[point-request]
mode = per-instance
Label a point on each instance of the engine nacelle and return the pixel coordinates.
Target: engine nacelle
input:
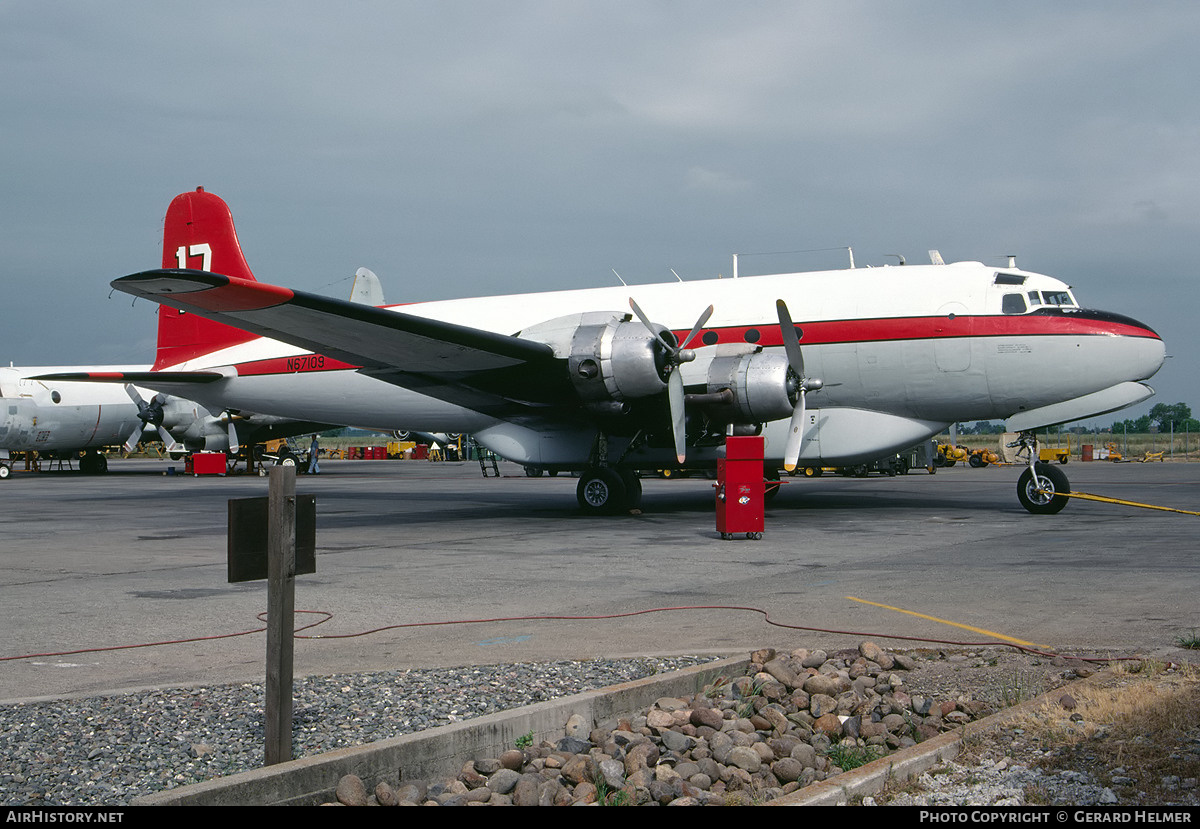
(611, 358)
(193, 425)
(750, 385)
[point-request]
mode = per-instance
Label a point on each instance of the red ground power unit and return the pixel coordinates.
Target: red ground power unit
(740, 488)
(205, 463)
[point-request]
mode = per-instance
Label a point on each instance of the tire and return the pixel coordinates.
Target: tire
(600, 491)
(976, 462)
(1055, 484)
(532, 472)
(5, 471)
(286, 458)
(812, 472)
(633, 488)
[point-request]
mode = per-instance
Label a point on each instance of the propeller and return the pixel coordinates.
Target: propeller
(229, 418)
(149, 413)
(791, 345)
(676, 355)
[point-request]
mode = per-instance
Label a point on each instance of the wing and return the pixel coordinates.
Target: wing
(485, 371)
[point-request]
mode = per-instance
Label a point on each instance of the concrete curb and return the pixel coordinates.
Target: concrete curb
(438, 751)
(442, 751)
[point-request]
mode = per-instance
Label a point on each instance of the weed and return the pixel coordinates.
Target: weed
(1022, 687)
(847, 755)
(525, 740)
(1190, 641)
(606, 796)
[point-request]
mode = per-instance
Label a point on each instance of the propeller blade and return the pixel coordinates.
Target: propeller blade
(671, 348)
(678, 419)
(708, 312)
(233, 439)
(168, 440)
(134, 438)
(791, 344)
(795, 438)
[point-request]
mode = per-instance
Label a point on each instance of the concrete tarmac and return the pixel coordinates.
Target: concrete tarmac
(139, 557)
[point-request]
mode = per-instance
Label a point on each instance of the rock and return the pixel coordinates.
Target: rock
(512, 759)
(351, 791)
(385, 795)
(503, 781)
(576, 727)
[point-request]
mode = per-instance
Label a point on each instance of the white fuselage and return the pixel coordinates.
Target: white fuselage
(902, 351)
(43, 416)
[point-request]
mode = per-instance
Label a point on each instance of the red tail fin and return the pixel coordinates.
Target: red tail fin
(198, 233)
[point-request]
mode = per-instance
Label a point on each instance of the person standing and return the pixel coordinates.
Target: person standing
(313, 449)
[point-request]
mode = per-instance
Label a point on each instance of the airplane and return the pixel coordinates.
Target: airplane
(608, 381)
(65, 421)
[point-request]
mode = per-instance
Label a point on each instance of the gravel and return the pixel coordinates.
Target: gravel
(108, 750)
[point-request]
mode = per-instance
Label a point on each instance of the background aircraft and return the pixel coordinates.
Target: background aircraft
(76, 420)
(571, 380)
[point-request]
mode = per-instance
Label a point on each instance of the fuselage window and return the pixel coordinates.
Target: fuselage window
(1009, 279)
(709, 337)
(1014, 304)
(751, 335)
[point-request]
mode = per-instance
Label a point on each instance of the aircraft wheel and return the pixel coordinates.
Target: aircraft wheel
(633, 488)
(771, 487)
(1052, 499)
(5, 471)
(600, 491)
(532, 472)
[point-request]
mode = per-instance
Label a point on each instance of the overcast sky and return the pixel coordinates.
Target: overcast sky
(473, 148)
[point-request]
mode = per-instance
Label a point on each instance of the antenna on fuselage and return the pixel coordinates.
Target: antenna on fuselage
(614, 270)
(898, 256)
(1012, 261)
(677, 276)
(935, 258)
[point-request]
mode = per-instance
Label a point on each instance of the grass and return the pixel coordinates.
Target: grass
(1022, 687)
(525, 740)
(847, 755)
(1141, 725)
(1189, 641)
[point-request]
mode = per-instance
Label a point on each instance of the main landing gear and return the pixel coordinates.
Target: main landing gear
(1042, 489)
(603, 490)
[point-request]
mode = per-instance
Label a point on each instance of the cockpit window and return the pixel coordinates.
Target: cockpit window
(1057, 298)
(1014, 304)
(1034, 298)
(1009, 279)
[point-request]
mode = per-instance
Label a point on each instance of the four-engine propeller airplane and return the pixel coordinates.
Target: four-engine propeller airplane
(879, 359)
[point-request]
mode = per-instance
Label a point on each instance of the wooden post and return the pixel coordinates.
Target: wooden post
(281, 604)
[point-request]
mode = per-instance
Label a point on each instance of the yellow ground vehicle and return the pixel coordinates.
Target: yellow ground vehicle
(1055, 453)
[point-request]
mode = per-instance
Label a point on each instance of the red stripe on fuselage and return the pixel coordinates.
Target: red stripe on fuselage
(886, 329)
(921, 328)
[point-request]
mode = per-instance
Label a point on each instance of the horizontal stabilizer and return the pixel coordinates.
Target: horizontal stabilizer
(138, 378)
